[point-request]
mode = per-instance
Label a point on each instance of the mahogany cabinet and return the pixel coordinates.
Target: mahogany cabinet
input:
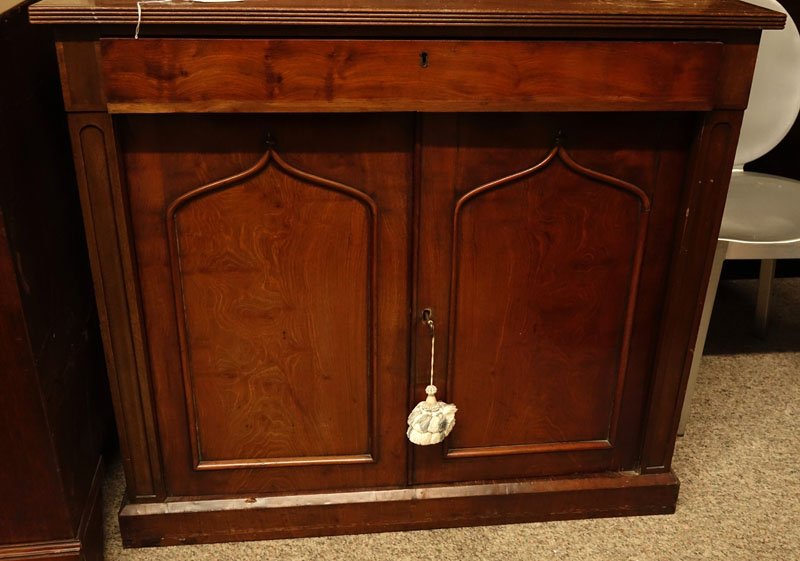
(54, 407)
(274, 192)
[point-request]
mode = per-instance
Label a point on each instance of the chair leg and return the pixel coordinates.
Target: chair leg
(708, 306)
(765, 277)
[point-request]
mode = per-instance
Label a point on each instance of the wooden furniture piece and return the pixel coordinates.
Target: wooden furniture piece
(54, 405)
(274, 192)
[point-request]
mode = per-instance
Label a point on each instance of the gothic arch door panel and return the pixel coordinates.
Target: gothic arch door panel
(272, 256)
(544, 248)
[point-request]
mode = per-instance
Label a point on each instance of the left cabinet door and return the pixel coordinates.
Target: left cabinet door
(274, 283)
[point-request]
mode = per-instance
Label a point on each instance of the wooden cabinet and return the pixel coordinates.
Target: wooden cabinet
(270, 209)
(55, 412)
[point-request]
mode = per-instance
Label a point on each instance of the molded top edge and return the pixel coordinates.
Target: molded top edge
(673, 14)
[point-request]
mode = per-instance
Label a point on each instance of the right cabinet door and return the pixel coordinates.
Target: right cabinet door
(544, 247)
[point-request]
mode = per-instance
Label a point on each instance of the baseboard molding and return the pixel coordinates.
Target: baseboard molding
(443, 506)
(90, 531)
(59, 550)
(86, 546)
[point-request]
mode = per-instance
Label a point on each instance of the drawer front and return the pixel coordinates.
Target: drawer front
(250, 75)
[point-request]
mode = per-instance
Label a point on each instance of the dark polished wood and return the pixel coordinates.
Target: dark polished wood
(287, 268)
(347, 75)
(306, 228)
(699, 218)
(54, 410)
(82, 90)
(105, 220)
(209, 521)
(269, 209)
(670, 14)
(561, 251)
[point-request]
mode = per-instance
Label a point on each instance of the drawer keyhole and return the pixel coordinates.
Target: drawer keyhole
(423, 59)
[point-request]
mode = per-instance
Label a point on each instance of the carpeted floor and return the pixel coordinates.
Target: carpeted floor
(738, 465)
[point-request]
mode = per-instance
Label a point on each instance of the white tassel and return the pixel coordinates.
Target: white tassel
(431, 421)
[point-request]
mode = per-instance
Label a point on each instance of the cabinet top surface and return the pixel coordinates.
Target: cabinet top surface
(719, 14)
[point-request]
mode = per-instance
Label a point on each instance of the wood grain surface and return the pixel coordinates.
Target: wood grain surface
(253, 297)
(55, 412)
(208, 521)
(672, 14)
(293, 290)
(110, 252)
(550, 352)
(157, 75)
(559, 249)
(273, 273)
(700, 215)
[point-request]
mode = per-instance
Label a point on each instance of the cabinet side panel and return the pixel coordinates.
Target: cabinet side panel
(699, 219)
(29, 479)
(39, 203)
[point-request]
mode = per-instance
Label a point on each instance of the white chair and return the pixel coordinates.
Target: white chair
(762, 213)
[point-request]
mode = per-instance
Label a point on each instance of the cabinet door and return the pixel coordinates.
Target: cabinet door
(544, 247)
(274, 285)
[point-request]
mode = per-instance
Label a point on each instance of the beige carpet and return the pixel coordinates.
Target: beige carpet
(738, 465)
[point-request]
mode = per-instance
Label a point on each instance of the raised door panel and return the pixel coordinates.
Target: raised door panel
(549, 303)
(558, 249)
(273, 288)
(265, 267)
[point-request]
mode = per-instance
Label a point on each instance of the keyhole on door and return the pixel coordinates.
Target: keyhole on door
(423, 59)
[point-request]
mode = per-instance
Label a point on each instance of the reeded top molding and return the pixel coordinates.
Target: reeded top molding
(693, 14)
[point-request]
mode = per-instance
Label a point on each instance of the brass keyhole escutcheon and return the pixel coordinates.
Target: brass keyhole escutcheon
(423, 59)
